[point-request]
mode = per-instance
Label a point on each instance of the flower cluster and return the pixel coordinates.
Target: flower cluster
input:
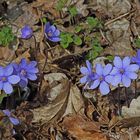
(51, 32)
(12, 119)
(17, 73)
(121, 72)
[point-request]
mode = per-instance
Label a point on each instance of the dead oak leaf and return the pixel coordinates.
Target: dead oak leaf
(82, 129)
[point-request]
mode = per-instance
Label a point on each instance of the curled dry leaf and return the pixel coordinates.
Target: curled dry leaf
(82, 129)
(63, 97)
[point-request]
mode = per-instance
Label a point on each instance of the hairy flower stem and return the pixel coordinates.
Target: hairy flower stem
(119, 101)
(126, 97)
(135, 88)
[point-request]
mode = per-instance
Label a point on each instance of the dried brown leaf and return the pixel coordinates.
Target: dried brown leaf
(82, 129)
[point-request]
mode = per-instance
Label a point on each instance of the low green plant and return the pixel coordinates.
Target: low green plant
(93, 22)
(96, 49)
(61, 4)
(73, 11)
(68, 38)
(6, 36)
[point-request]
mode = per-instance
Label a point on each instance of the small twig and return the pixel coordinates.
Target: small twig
(117, 18)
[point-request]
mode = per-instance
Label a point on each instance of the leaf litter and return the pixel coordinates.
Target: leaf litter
(56, 106)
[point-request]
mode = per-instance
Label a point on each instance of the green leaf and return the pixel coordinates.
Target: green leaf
(77, 29)
(6, 36)
(77, 40)
(66, 39)
(93, 22)
(73, 11)
(110, 58)
(61, 4)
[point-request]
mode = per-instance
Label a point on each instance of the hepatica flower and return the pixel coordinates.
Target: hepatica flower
(52, 33)
(123, 71)
(13, 120)
(102, 78)
(88, 74)
(7, 78)
(26, 32)
(136, 59)
(26, 71)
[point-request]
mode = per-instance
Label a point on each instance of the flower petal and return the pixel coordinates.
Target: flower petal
(23, 83)
(32, 64)
(54, 39)
(53, 28)
(1, 71)
(31, 76)
(83, 80)
(131, 75)
(99, 69)
(56, 33)
(32, 70)
(13, 79)
(116, 80)
(117, 62)
(126, 62)
(47, 26)
(109, 78)
(114, 71)
(1, 85)
(84, 70)
(7, 87)
(126, 81)
(104, 88)
(23, 63)
(95, 84)
(7, 112)
(89, 66)
(107, 69)
(14, 121)
(132, 67)
(8, 70)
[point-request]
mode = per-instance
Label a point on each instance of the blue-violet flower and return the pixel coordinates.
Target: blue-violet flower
(26, 32)
(13, 120)
(52, 33)
(123, 71)
(136, 59)
(26, 71)
(102, 78)
(7, 78)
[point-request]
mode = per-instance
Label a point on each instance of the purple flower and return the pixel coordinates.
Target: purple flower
(136, 59)
(26, 32)
(123, 71)
(13, 120)
(88, 74)
(7, 78)
(52, 33)
(26, 71)
(102, 78)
